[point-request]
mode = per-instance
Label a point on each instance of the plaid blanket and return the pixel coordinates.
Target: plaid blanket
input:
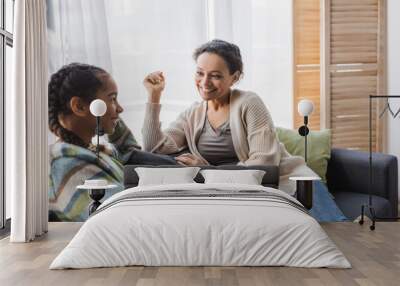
(71, 165)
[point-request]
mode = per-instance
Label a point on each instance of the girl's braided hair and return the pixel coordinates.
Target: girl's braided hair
(74, 79)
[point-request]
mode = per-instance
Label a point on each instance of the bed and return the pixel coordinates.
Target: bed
(201, 224)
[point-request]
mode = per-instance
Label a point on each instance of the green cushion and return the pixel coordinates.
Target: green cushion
(318, 150)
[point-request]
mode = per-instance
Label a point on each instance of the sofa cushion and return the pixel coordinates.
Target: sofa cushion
(350, 204)
(319, 147)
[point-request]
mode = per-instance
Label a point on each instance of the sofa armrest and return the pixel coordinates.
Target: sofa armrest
(348, 171)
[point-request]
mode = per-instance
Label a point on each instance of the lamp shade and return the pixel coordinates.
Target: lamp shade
(305, 107)
(98, 107)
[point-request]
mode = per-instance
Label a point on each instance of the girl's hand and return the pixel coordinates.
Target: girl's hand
(188, 159)
(155, 84)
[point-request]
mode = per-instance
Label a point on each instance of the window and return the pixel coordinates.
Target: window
(6, 43)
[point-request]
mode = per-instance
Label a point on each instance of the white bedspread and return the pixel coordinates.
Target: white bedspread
(186, 230)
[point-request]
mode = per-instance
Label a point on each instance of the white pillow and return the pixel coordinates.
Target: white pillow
(166, 176)
(248, 177)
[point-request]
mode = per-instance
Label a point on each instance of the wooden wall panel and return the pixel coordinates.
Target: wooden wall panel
(307, 59)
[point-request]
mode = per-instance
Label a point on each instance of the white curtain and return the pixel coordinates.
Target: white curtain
(161, 35)
(77, 32)
(146, 36)
(263, 29)
(130, 38)
(27, 149)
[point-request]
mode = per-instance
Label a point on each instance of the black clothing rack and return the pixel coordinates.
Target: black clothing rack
(370, 206)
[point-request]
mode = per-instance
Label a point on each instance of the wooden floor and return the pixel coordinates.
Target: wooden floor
(374, 255)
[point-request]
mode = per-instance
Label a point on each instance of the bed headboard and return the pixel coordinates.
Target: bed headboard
(270, 179)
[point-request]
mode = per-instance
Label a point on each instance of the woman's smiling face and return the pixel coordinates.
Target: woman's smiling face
(213, 79)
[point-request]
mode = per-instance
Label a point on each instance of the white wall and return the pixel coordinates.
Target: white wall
(393, 71)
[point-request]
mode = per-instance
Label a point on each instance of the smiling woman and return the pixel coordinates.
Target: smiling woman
(230, 126)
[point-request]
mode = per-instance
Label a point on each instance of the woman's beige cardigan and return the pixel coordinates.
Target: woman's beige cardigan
(252, 129)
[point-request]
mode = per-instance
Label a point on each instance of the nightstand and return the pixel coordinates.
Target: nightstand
(304, 190)
(97, 190)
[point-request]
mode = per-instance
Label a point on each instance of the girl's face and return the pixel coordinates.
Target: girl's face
(213, 79)
(109, 94)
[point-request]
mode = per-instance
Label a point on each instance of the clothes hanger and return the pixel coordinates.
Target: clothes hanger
(397, 113)
(387, 107)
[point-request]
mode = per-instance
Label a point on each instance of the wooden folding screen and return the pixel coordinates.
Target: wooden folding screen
(352, 60)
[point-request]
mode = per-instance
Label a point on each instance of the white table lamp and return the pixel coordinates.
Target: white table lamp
(305, 108)
(98, 108)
